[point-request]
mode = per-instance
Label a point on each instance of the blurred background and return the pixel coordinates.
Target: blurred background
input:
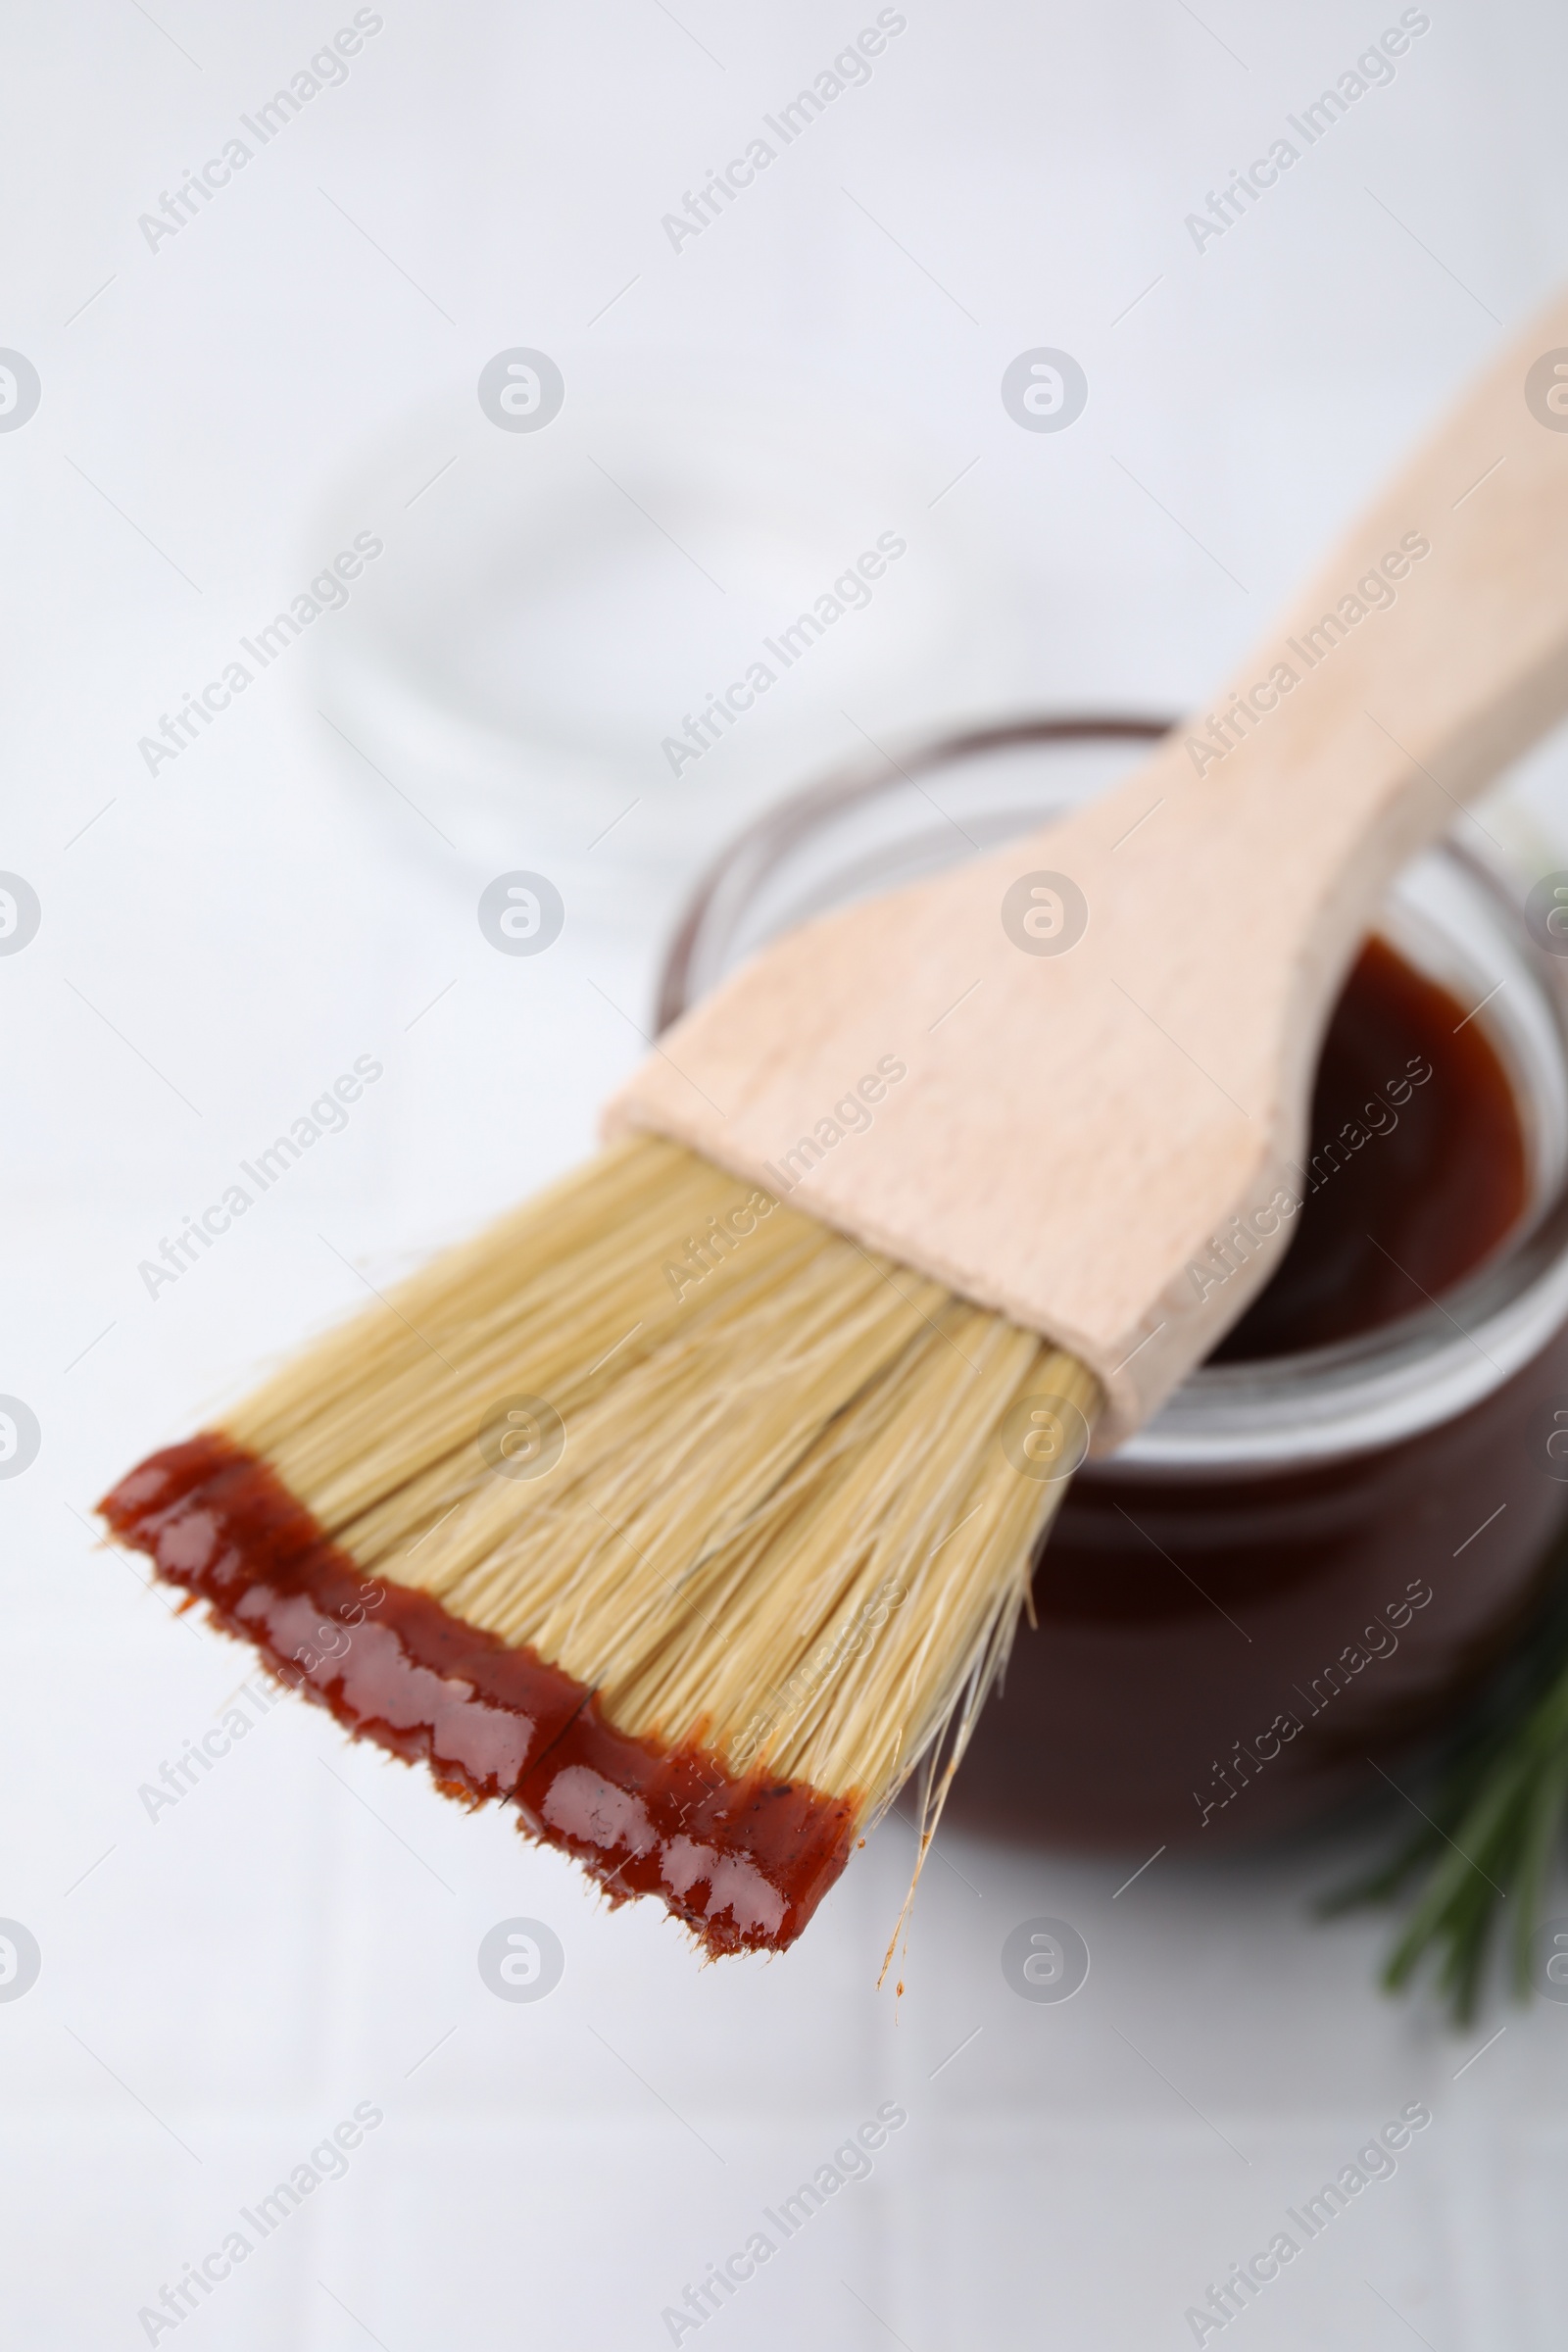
(587, 439)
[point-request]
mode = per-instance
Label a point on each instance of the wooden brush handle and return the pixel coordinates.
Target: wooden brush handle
(1097, 1080)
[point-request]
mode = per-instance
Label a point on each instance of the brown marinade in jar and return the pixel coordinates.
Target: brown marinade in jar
(1220, 1658)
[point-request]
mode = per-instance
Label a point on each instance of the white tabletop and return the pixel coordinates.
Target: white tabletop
(225, 931)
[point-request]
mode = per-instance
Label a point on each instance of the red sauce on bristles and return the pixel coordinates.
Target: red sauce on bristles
(742, 1861)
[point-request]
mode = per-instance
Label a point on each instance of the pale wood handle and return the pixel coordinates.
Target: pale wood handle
(1071, 1129)
(1430, 649)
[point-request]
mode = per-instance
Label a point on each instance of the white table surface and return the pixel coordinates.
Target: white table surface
(223, 1985)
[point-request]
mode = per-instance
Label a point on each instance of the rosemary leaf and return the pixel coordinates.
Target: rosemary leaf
(1495, 1815)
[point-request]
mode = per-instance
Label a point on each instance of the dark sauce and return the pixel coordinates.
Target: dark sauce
(1221, 1656)
(1416, 1170)
(743, 1862)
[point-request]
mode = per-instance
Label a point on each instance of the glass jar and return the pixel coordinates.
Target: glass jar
(579, 653)
(1302, 1563)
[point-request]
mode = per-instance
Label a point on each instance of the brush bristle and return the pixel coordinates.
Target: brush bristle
(737, 1475)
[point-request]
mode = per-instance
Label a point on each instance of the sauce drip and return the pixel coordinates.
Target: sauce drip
(1435, 1181)
(744, 1862)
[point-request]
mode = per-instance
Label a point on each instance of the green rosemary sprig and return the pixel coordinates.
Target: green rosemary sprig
(1495, 1821)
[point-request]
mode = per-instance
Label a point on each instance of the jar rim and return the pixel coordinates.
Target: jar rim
(1273, 1413)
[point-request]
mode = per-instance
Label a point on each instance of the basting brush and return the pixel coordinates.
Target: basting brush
(692, 1507)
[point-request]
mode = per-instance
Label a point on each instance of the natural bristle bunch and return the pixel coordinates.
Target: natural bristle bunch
(737, 1477)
